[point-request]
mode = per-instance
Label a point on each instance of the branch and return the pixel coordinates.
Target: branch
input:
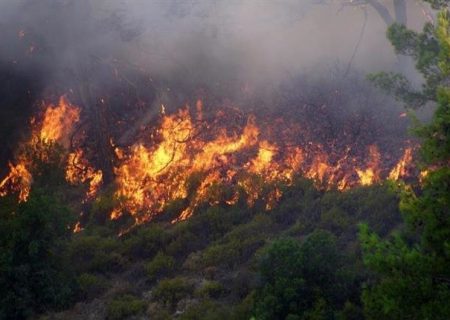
(382, 11)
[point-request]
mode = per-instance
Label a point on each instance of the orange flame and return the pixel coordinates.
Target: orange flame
(183, 163)
(78, 170)
(371, 174)
(18, 180)
(58, 123)
(400, 170)
(56, 126)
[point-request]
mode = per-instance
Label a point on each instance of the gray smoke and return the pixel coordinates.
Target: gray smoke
(198, 41)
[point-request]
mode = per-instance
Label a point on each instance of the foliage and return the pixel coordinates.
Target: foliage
(33, 276)
(145, 242)
(170, 291)
(124, 306)
(91, 285)
(161, 265)
(93, 253)
(301, 280)
(236, 246)
(210, 289)
(412, 268)
(206, 310)
(427, 50)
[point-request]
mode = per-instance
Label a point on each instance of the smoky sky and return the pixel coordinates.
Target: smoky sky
(197, 40)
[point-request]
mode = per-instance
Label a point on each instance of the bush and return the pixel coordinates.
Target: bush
(335, 220)
(125, 306)
(210, 289)
(96, 254)
(170, 291)
(145, 242)
(207, 310)
(183, 242)
(91, 285)
(302, 280)
(238, 245)
(34, 276)
(161, 265)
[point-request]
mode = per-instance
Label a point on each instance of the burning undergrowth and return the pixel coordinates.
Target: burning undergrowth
(219, 156)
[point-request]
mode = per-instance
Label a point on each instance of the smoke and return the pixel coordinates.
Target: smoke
(122, 61)
(196, 41)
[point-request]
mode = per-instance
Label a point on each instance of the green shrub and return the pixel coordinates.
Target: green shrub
(91, 286)
(161, 265)
(34, 276)
(335, 220)
(210, 289)
(170, 291)
(96, 254)
(102, 206)
(183, 243)
(302, 280)
(207, 310)
(238, 245)
(145, 242)
(125, 306)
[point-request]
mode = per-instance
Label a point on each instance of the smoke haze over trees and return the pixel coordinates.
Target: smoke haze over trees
(224, 159)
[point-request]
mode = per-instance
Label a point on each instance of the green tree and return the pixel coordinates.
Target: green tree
(33, 275)
(412, 269)
(301, 280)
(426, 50)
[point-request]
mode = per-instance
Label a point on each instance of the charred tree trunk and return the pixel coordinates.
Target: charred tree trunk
(99, 142)
(401, 18)
(400, 12)
(382, 11)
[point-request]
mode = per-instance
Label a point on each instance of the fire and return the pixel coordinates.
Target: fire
(78, 170)
(371, 174)
(151, 177)
(400, 170)
(189, 159)
(56, 127)
(18, 180)
(58, 123)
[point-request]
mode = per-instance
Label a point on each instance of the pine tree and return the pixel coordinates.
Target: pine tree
(412, 268)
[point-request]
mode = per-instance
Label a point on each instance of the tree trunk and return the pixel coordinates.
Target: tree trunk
(400, 12)
(382, 11)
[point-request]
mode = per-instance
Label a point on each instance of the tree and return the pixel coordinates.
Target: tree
(382, 9)
(412, 269)
(33, 275)
(301, 280)
(425, 49)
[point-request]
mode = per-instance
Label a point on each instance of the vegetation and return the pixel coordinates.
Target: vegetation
(34, 276)
(373, 252)
(124, 306)
(412, 267)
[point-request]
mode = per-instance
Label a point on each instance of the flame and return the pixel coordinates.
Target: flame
(58, 122)
(203, 160)
(77, 228)
(78, 170)
(371, 174)
(18, 180)
(400, 170)
(57, 126)
(184, 159)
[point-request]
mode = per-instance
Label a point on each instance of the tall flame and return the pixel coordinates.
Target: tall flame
(56, 126)
(58, 123)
